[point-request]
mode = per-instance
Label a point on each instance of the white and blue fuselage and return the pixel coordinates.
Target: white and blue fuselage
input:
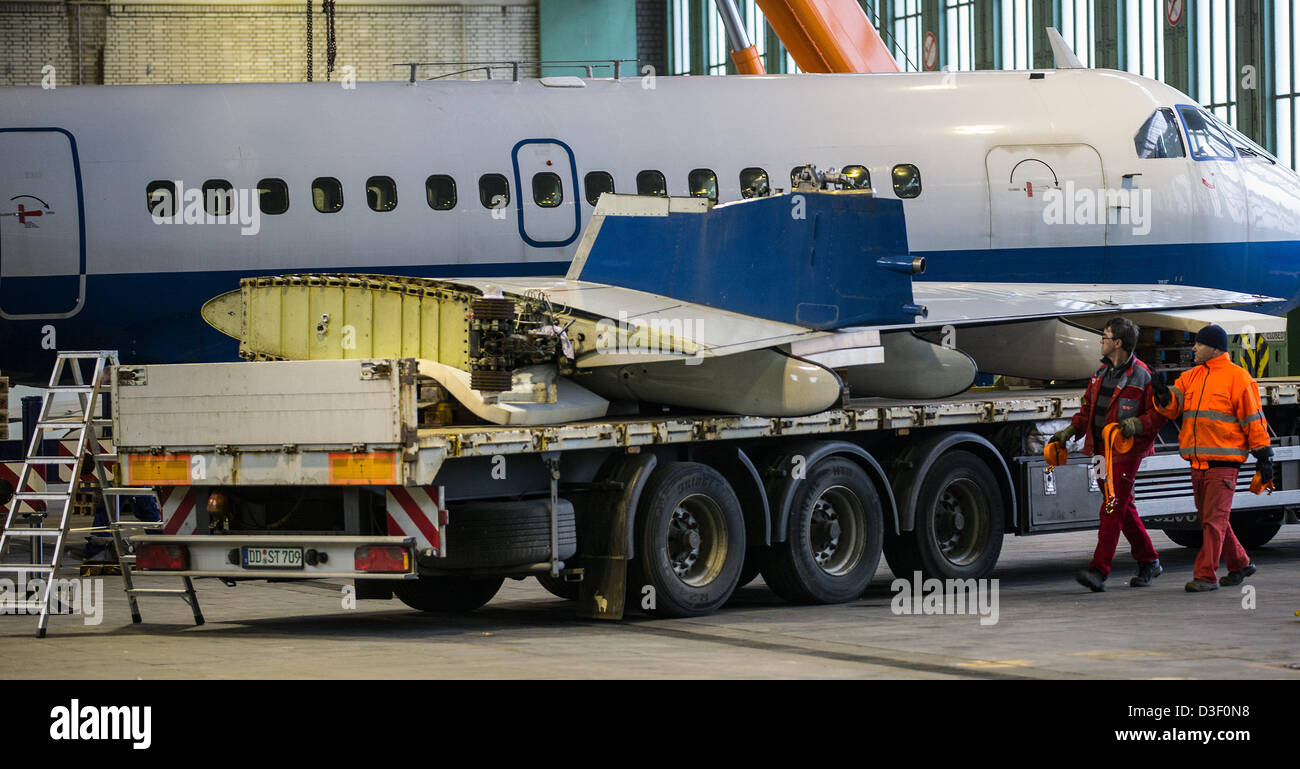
(1071, 176)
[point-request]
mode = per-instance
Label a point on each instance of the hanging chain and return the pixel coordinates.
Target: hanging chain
(327, 6)
(309, 40)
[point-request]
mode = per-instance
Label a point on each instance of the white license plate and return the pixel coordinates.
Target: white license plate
(273, 558)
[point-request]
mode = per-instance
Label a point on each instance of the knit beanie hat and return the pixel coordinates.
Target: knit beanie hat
(1214, 336)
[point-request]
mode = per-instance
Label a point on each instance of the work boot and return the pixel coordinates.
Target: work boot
(1200, 586)
(1238, 576)
(1091, 579)
(1147, 571)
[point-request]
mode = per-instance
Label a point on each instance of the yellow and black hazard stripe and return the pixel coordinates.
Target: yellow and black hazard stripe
(1254, 359)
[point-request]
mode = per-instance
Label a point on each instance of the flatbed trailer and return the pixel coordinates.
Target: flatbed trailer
(315, 469)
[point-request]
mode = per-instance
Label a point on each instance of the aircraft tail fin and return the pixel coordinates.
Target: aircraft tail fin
(1065, 57)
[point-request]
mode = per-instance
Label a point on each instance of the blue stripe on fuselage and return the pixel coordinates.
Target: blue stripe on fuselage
(1269, 268)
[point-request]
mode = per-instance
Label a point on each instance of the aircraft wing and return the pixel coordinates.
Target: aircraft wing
(954, 303)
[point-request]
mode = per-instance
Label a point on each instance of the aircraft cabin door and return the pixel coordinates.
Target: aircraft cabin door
(42, 251)
(546, 186)
(1044, 196)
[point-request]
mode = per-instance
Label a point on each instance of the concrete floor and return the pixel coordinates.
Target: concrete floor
(1048, 627)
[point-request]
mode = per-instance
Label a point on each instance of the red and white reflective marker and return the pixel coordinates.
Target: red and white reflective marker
(1173, 12)
(930, 51)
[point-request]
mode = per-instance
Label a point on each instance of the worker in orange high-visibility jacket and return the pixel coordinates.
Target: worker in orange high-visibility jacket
(1223, 424)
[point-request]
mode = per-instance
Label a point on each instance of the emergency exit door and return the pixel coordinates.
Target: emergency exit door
(42, 248)
(1046, 195)
(546, 183)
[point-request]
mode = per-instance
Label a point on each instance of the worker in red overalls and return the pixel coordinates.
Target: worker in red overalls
(1223, 423)
(1120, 392)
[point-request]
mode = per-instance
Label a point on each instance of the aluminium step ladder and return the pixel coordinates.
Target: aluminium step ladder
(86, 430)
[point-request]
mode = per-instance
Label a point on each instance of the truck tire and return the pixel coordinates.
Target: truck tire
(483, 535)
(959, 522)
(833, 537)
(690, 542)
(559, 587)
(447, 594)
(1186, 537)
(1250, 530)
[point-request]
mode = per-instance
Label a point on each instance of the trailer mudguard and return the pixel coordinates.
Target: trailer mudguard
(781, 483)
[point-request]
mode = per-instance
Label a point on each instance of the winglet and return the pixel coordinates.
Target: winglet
(1065, 58)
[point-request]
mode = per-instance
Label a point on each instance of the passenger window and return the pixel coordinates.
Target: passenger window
(493, 191)
(1203, 138)
(651, 183)
(273, 196)
(440, 189)
(327, 194)
(163, 198)
(595, 183)
(381, 193)
(218, 197)
(1159, 137)
(856, 177)
(547, 190)
(753, 183)
(703, 183)
(907, 180)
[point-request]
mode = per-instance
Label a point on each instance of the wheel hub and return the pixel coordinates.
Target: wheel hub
(835, 530)
(961, 521)
(683, 541)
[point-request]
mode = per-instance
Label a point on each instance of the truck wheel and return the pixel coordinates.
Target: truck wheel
(1253, 530)
(559, 587)
(959, 513)
(690, 542)
(1186, 537)
(447, 594)
(833, 537)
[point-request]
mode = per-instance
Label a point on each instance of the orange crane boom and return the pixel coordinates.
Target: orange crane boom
(827, 36)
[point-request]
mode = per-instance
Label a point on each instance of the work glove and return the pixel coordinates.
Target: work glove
(1161, 392)
(1099, 467)
(1264, 463)
(1063, 436)
(1130, 427)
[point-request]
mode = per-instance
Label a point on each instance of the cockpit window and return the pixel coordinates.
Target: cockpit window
(1204, 138)
(1245, 147)
(1158, 137)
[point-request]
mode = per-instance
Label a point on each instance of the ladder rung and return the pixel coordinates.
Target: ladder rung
(51, 460)
(32, 532)
(158, 591)
(42, 496)
(72, 424)
(22, 567)
(71, 388)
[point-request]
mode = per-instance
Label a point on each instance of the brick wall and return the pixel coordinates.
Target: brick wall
(192, 43)
(652, 34)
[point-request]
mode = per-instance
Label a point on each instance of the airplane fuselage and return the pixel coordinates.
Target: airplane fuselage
(1022, 177)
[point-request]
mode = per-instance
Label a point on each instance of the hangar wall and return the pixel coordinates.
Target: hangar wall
(188, 42)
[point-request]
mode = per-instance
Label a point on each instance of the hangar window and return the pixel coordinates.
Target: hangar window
(440, 190)
(163, 198)
(651, 183)
(1203, 137)
(548, 192)
(1158, 137)
(493, 191)
(327, 194)
(273, 196)
(595, 183)
(381, 193)
(218, 197)
(703, 183)
(857, 177)
(907, 180)
(754, 184)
